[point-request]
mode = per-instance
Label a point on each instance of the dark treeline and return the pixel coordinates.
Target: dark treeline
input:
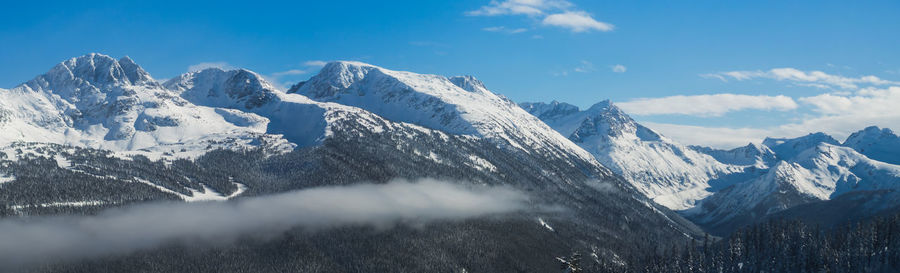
(788, 246)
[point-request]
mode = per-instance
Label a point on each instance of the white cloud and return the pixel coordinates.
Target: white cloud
(585, 67)
(559, 73)
(838, 116)
(842, 115)
(706, 105)
(859, 102)
(576, 21)
(815, 78)
(315, 63)
(505, 30)
(289, 73)
(716, 137)
(869, 100)
(619, 68)
(556, 13)
(519, 7)
(205, 65)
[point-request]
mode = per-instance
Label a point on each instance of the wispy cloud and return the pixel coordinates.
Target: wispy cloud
(289, 72)
(706, 105)
(585, 67)
(206, 65)
(505, 30)
(619, 68)
(851, 104)
(555, 13)
(818, 78)
(869, 101)
(582, 67)
(308, 66)
(519, 7)
(315, 63)
(122, 231)
(716, 137)
(835, 114)
(576, 21)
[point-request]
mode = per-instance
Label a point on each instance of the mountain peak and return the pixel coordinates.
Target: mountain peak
(92, 70)
(609, 110)
(751, 154)
(604, 105)
(549, 111)
(607, 120)
(602, 118)
(468, 83)
(613, 120)
(455, 106)
(240, 88)
(786, 148)
(876, 143)
(134, 72)
(333, 77)
(871, 132)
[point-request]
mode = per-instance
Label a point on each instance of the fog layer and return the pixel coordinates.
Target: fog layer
(35, 240)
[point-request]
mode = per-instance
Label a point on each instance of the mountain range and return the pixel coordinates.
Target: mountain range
(95, 133)
(723, 190)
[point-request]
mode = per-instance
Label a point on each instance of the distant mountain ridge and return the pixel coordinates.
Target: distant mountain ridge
(672, 174)
(725, 189)
(880, 144)
(818, 174)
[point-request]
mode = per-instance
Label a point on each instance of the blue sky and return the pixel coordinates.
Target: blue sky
(743, 70)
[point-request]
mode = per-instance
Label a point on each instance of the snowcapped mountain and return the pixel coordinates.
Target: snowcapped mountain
(674, 175)
(820, 173)
(458, 105)
(88, 121)
(787, 148)
(726, 189)
(244, 97)
(879, 144)
(97, 101)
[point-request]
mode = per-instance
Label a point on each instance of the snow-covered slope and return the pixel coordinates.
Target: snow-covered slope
(672, 174)
(879, 144)
(242, 94)
(97, 101)
(822, 172)
(787, 148)
(459, 105)
(753, 154)
(367, 124)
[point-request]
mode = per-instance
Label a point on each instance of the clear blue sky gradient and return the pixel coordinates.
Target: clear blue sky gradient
(665, 45)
